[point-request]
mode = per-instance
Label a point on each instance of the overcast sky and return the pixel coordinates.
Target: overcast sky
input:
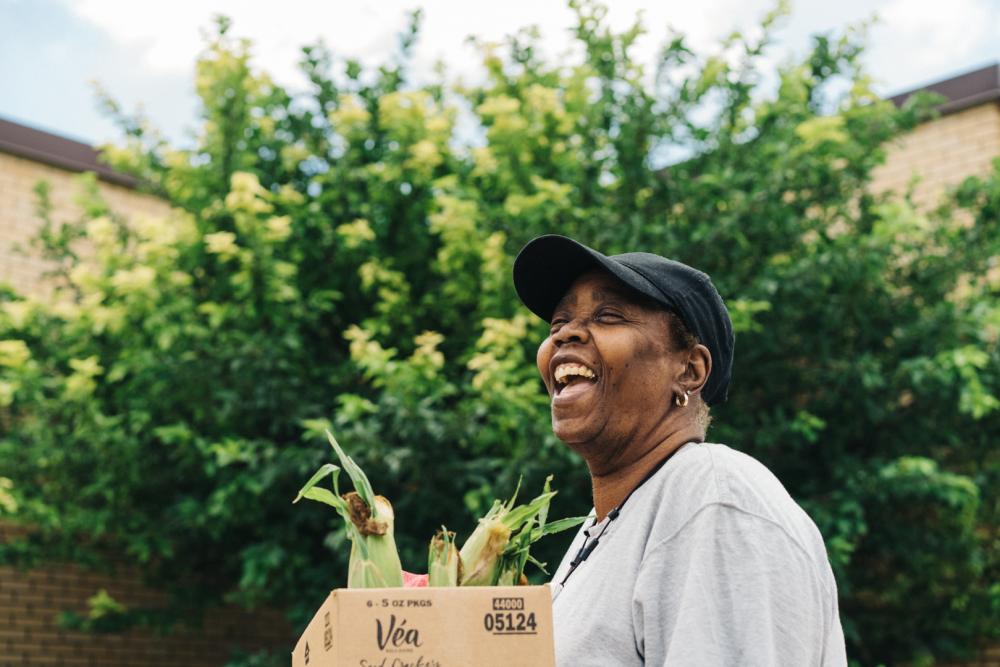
(143, 52)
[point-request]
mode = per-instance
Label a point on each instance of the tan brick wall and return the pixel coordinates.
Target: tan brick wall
(18, 222)
(942, 152)
(31, 601)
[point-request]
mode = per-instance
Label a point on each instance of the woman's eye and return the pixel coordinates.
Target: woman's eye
(609, 316)
(554, 326)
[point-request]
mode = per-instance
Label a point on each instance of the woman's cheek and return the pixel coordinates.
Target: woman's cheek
(542, 359)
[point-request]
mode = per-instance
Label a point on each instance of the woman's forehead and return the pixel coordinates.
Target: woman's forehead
(599, 286)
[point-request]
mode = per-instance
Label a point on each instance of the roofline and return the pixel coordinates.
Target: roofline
(961, 92)
(52, 149)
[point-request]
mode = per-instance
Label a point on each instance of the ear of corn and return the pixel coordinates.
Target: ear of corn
(495, 553)
(481, 552)
(444, 565)
(374, 559)
(369, 520)
(498, 549)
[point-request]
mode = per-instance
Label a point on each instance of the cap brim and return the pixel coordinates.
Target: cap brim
(547, 266)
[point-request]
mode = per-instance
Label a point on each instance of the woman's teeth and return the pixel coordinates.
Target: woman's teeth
(565, 371)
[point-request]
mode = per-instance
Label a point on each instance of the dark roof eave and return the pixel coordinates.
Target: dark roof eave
(971, 101)
(40, 146)
(967, 90)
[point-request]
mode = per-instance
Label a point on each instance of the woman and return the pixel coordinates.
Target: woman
(696, 554)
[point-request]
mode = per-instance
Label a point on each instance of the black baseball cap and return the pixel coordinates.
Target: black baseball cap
(546, 267)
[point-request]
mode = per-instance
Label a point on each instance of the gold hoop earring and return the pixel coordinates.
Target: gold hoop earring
(682, 404)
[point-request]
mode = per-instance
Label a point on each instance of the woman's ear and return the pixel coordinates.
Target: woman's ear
(699, 367)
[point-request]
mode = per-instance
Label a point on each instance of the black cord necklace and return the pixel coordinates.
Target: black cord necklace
(588, 546)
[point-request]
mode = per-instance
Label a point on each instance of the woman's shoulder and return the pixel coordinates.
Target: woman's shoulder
(715, 475)
(728, 475)
(712, 469)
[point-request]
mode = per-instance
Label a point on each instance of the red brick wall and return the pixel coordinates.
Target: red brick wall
(31, 601)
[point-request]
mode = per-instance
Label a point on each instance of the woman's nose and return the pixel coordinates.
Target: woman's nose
(574, 331)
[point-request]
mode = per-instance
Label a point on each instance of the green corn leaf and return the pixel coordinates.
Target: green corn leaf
(513, 498)
(325, 496)
(519, 515)
(357, 475)
(543, 514)
(327, 469)
(541, 566)
(556, 527)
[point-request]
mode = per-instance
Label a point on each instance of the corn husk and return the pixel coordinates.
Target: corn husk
(495, 553)
(481, 552)
(444, 565)
(369, 520)
(498, 549)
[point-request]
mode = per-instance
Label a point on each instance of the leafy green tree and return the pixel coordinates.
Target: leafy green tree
(339, 258)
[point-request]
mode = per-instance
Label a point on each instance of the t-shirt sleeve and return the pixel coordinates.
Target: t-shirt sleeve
(732, 588)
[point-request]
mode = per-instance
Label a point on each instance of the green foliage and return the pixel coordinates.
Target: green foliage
(339, 258)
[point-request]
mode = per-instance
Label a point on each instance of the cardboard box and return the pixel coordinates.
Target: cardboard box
(430, 627)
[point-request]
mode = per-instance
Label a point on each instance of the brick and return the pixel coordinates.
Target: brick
(943, 152)
(29, 635)
(18, 223)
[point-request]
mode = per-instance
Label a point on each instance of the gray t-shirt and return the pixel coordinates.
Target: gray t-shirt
(710, 562)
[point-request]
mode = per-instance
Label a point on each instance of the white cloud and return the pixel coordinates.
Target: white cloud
(915, 41)
(166, 36)
(918, 41)
(937, 30)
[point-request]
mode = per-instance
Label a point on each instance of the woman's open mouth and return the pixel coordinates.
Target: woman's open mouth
(571, 381)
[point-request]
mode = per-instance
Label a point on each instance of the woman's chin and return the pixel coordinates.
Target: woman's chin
(576, 432)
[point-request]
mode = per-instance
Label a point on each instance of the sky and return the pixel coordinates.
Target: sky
(143, 53)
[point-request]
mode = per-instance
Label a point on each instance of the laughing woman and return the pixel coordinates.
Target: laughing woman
(696, 554)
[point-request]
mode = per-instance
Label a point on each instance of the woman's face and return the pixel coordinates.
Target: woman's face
(609, 369)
